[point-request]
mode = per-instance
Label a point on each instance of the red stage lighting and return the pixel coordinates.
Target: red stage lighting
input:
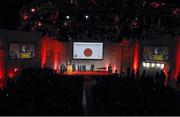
(52, 52)
(155, 5)
(136, 56)
(2, 69)
(25, 17)
(177, 57)
(11, 74)
(16, 69)
(44, 42)
(165, 70)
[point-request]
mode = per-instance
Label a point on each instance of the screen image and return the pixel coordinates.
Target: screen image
(87, 50)
(155, 53)
(21, 51)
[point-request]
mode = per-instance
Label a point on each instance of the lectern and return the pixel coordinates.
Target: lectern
(69, 68)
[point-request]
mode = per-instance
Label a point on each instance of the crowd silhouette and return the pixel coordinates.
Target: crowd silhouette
(136, 95)
(42, 92)
(36, 91)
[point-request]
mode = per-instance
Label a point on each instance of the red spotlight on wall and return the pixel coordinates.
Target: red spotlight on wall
(2, 68)
(13, 72)
(44, 43)
(52, 52)
(11, 75)
(136, 56)
(177, 70)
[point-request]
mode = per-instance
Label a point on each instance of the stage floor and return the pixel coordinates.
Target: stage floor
(88, 73)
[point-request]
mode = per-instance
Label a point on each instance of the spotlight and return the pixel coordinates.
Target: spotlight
(33, 10)
(86, 17)
(144, 64)
(162, 66)
(67, 17)
(152, 64)
(158, 65)
(65, 24)
(148, 65)
(16, 69)
(25, 17)
(39, 23)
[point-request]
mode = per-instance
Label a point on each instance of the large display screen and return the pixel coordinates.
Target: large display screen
(87, 50)
(155, 53)
(21, 50)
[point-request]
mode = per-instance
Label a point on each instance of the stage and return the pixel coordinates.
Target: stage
(87, 73)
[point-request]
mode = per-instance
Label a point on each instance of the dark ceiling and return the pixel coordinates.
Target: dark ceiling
(162, 13)
(9, 13)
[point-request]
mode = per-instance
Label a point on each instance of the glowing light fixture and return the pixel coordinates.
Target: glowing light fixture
(144, 64)
(158, 65)
(152, 64)
(148, 65)
(67, 17)
(86, 17)
(162, 66)
(33, 10)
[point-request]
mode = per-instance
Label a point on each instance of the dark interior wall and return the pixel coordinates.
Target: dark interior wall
(7, 37)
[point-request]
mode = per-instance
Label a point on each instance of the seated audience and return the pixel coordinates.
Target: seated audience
(37, 91)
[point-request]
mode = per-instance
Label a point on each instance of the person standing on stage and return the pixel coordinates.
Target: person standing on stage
(92, 67)
(110, 68)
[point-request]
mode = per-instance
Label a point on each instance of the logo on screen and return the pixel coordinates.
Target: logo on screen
(87, 52)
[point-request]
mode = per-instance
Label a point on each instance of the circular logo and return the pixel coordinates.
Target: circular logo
(87, 52)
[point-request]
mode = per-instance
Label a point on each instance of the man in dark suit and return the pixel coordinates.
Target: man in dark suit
(92, 67)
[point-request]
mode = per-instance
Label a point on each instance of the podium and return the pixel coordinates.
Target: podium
(69, 68)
